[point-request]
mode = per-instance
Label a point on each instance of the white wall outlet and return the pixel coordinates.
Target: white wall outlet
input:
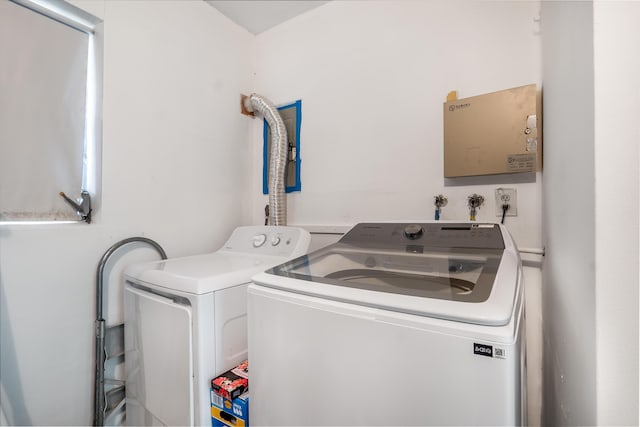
(508, 196)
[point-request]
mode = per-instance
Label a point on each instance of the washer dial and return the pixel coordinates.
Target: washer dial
(258, 240)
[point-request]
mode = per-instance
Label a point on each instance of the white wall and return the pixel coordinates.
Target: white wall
(617, 135)
(591, 105)
(569, 283)
(372, 77)
(175, 153)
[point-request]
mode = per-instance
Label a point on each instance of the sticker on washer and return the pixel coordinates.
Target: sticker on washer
(489, 351)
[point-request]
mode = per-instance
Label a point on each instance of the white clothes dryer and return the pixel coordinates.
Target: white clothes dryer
(395, 324)
(186, 322)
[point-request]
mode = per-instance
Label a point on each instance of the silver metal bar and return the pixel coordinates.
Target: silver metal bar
(114, 341)
(100, 398)
(63, 12)
(114, 398)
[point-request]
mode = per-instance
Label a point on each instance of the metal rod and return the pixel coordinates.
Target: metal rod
(98, 385)
(98, 389)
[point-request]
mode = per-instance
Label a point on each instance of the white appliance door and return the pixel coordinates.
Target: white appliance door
(159, 390)
(320, 362)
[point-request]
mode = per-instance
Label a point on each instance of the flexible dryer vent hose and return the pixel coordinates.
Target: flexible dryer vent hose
(278, 158)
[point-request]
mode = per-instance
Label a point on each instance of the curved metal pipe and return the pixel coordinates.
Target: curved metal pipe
(278, 158)
(98, 385)
(105, 258)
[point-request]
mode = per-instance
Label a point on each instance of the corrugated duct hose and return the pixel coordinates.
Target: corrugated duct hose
(278, 159)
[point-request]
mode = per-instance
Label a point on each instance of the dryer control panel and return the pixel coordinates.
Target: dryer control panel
(271, 240)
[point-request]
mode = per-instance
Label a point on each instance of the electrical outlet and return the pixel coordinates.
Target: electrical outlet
(508, 196)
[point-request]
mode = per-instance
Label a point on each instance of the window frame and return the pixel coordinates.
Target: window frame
(67, 14)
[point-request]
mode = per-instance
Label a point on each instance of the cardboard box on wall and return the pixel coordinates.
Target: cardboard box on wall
(494, 133)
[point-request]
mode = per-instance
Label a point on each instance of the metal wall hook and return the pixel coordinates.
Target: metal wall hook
(82, 207)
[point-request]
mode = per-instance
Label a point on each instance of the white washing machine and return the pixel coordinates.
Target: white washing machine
(186, 322)
(395, 324)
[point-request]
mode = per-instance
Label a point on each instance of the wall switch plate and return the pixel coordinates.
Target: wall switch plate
(508, 196)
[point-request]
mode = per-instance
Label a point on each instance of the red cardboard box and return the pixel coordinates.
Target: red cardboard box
(232, 383)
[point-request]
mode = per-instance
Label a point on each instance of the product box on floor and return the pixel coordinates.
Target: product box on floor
(230, 397)
(232, 383)
(229, 413)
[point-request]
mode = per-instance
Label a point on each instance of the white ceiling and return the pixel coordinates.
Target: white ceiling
(260, 15)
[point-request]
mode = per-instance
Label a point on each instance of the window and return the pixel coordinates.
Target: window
(48, 108)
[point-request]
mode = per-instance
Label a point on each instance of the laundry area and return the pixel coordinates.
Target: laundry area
(402, 212)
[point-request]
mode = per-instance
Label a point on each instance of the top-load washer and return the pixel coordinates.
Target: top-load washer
(186, 322)
(395, 324)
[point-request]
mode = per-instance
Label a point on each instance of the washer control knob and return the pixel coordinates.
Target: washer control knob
(275, 241)
(413, 231)
(258, 240)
